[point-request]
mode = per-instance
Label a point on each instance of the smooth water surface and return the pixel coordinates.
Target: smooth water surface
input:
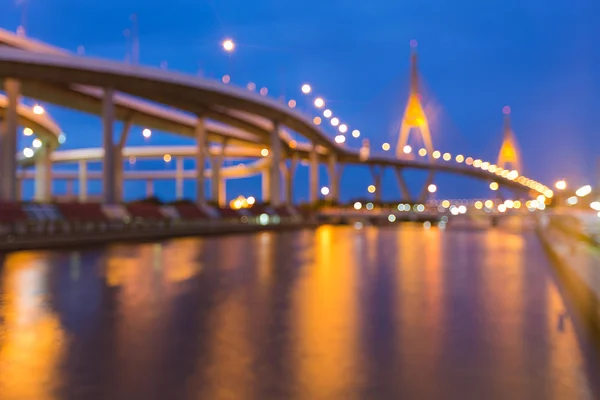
(332, 313)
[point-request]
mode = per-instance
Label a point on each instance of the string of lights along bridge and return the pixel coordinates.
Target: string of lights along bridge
(509, 159)
(266, 142)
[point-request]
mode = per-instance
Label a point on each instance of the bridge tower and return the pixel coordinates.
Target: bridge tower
(509, 156)
(414, 115)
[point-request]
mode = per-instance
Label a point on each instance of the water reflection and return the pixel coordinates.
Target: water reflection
(419, 309)
(333, 313)
(31, 336)
(324, 316)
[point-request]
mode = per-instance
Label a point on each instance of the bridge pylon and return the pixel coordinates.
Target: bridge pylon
(509, 155)
(414, 114)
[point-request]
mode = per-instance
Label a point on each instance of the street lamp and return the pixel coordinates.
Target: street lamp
(228, 45)
(340, 139)
(21, 28)
(584, 191)
(561, 185)
(135, 39)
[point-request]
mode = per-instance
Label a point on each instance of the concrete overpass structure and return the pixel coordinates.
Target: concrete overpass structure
(224, 120)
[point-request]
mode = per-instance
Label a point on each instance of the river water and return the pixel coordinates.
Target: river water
(333, 313)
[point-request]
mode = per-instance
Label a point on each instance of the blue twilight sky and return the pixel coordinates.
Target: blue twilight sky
(541, 57)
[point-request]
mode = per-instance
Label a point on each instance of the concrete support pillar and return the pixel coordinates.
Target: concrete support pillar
(217, 163)
(179, 178)
(377, 173)
(118, 161)
(291, 172)
(215, 182)
(109, 175)
(275, 167)
(83, 195)
(333, 172)
(266, 186)
(425, 190)
(313, 179)
(43, 175)
(119, 181)
(149, 188)
(338, 179)
(404, 191)
(378, 190)
(8, 142)
(222, 198)
(200, 160)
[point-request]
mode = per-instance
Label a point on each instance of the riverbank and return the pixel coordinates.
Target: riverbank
(143, 233)
(577, 264)
(42, 226)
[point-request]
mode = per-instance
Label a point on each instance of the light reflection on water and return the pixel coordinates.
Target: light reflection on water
(331, 313)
